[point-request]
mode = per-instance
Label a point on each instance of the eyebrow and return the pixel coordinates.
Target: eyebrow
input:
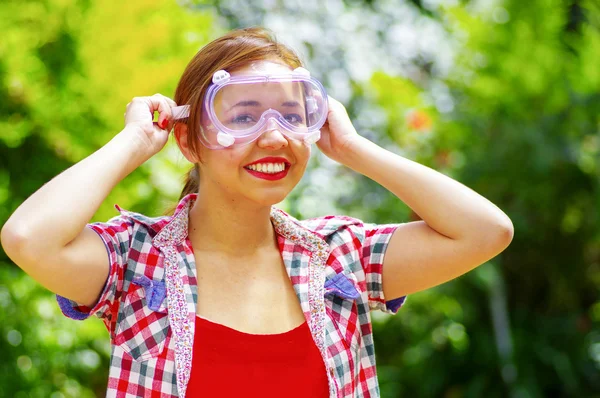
(246, 103)
(256, 103)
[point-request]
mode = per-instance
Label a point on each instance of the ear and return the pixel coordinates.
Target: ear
(180, 131)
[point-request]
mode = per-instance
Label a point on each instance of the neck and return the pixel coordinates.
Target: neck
(230, 226)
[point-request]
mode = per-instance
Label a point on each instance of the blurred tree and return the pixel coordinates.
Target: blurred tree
(67, 70)
(523, 130)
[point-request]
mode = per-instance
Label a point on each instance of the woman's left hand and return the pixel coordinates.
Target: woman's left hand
(337, 133)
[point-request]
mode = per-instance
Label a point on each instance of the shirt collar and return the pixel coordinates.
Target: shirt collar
(175, 231)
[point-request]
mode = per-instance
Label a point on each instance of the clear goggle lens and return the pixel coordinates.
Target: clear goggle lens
(240, 108)
(237, 110)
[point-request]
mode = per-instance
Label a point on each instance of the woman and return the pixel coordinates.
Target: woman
(230, 296)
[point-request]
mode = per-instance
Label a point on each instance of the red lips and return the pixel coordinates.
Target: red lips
(269, 176)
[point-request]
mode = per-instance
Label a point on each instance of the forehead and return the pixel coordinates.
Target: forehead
(267, 94)
(263, 92)
(262, 68)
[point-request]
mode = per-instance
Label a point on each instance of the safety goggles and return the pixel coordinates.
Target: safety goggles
(238, 109)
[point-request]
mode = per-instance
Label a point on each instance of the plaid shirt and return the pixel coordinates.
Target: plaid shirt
(149, 301)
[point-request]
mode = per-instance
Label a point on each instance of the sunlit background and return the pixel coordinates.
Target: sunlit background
(504, 96)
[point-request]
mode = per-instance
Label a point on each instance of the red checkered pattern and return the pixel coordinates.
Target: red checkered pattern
(135, 308)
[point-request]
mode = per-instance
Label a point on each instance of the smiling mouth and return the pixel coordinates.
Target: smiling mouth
(270, 171)
(268, 168)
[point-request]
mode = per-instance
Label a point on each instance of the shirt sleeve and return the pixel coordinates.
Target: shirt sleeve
(376, 240)
(116, 234)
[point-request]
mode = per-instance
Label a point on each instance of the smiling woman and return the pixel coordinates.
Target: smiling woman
(229, 280)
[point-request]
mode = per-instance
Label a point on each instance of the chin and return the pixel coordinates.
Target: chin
(269, 198)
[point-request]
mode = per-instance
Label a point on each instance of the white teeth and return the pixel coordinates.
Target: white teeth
(268, 168)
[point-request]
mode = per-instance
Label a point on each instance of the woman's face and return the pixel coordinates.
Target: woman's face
(250, 171)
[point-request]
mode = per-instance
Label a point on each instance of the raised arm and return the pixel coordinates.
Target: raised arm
(460, 229)
(46, 236)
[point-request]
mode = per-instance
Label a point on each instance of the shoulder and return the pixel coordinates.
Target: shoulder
(349, 232)
(326, 227)
(333, 225)
(129, 226)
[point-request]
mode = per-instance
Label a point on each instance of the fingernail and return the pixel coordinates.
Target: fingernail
(164, 124)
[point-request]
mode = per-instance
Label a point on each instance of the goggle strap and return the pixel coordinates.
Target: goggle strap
(180, 112)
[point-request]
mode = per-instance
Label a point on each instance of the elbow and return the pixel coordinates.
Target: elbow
(507, 231)
(500, 235)
(16, 245)
(10, 239)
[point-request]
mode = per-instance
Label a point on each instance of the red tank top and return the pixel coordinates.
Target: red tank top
(230, 363)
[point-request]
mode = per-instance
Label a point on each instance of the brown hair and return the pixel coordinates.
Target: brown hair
(231, 51)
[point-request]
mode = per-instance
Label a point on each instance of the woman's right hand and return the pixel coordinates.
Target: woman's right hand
(151, 136)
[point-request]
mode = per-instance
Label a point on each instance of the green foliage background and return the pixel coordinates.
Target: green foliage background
(523, 130)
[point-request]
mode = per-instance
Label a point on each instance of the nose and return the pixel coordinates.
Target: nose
(272, 138)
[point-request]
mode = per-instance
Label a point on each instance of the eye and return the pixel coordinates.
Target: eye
(293, 118)
(243, 119)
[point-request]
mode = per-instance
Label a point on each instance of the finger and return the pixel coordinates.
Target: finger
(172, 103)
(139, 109)
(164, 109)
(333, 102)
(162, 104)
